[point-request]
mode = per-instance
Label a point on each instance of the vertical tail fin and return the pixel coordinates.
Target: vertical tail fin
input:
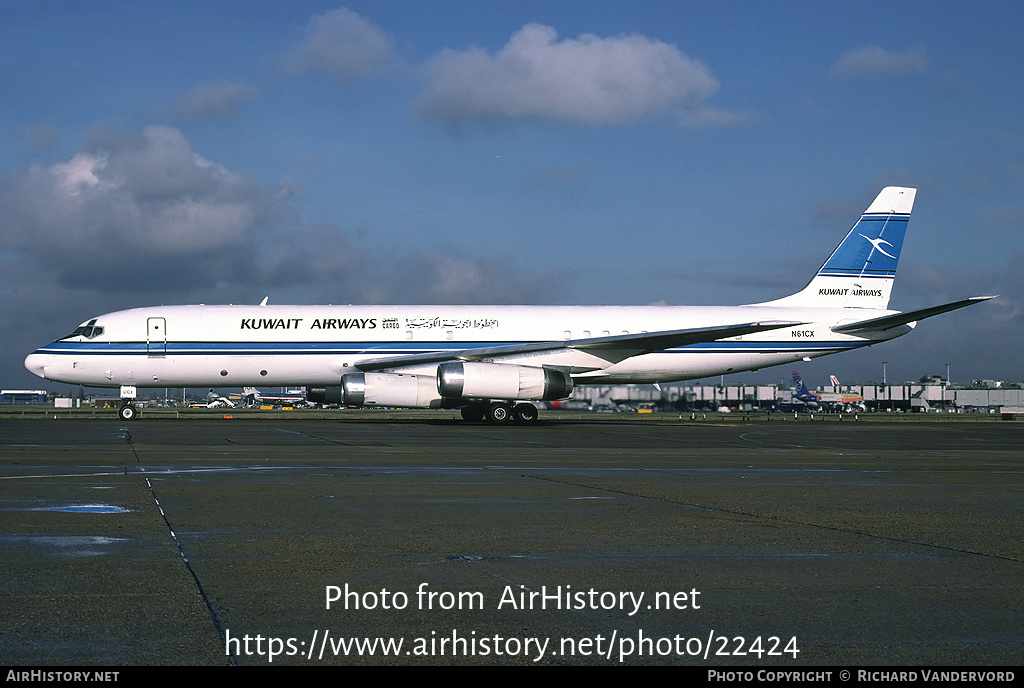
(800, 390)
(861, 271)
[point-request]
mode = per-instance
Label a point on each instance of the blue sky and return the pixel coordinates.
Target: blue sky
(509, 152)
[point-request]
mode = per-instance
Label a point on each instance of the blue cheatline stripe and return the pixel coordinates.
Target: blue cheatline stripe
(375, 349)
(257, 348)
(857, 272)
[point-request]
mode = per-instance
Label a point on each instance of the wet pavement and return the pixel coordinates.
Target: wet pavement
(598, 541)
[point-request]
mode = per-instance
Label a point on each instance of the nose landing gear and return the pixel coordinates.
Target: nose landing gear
(127, 411)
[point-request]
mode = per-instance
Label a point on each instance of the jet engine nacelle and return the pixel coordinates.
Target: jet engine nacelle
(474, 380)
(379, 389)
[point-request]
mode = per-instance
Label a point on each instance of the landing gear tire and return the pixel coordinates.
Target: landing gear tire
(474, 413)
(128, 412)
(524, 414)
(499, 413)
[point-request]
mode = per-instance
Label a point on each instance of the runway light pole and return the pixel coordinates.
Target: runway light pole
(885, 384)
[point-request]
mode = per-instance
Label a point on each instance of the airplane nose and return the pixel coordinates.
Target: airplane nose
(35, 364)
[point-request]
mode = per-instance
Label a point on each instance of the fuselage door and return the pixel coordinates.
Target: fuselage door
(156, 337)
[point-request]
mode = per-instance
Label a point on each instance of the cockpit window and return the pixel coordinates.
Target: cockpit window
(88, 330)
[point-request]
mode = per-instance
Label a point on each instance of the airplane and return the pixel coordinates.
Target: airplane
(254, 397)
(493, 362)
(214, 400)
(843, 401)
(802, 394)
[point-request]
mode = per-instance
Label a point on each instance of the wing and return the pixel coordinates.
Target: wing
(601, 352)
(889, 321)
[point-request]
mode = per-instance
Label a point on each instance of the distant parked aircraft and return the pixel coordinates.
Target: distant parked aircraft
(253, 397)
(836, 401)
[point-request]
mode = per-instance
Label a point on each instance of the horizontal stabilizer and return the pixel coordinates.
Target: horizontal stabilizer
(888, 321)
(612, 349)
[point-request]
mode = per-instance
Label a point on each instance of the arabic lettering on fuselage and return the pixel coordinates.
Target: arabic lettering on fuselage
(450, 323)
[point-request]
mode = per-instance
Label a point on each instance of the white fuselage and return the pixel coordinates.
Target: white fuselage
(232, 346)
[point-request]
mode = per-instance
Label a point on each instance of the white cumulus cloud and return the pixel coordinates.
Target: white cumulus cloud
(141, 211)
(214, 100)
(141, 205)
(340, 43)
(588, 79)
(872, 61)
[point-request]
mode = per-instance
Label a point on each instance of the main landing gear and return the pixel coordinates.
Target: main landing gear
(501, 412)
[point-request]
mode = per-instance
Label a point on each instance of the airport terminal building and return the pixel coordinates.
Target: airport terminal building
(23, 396)
(981, 396)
